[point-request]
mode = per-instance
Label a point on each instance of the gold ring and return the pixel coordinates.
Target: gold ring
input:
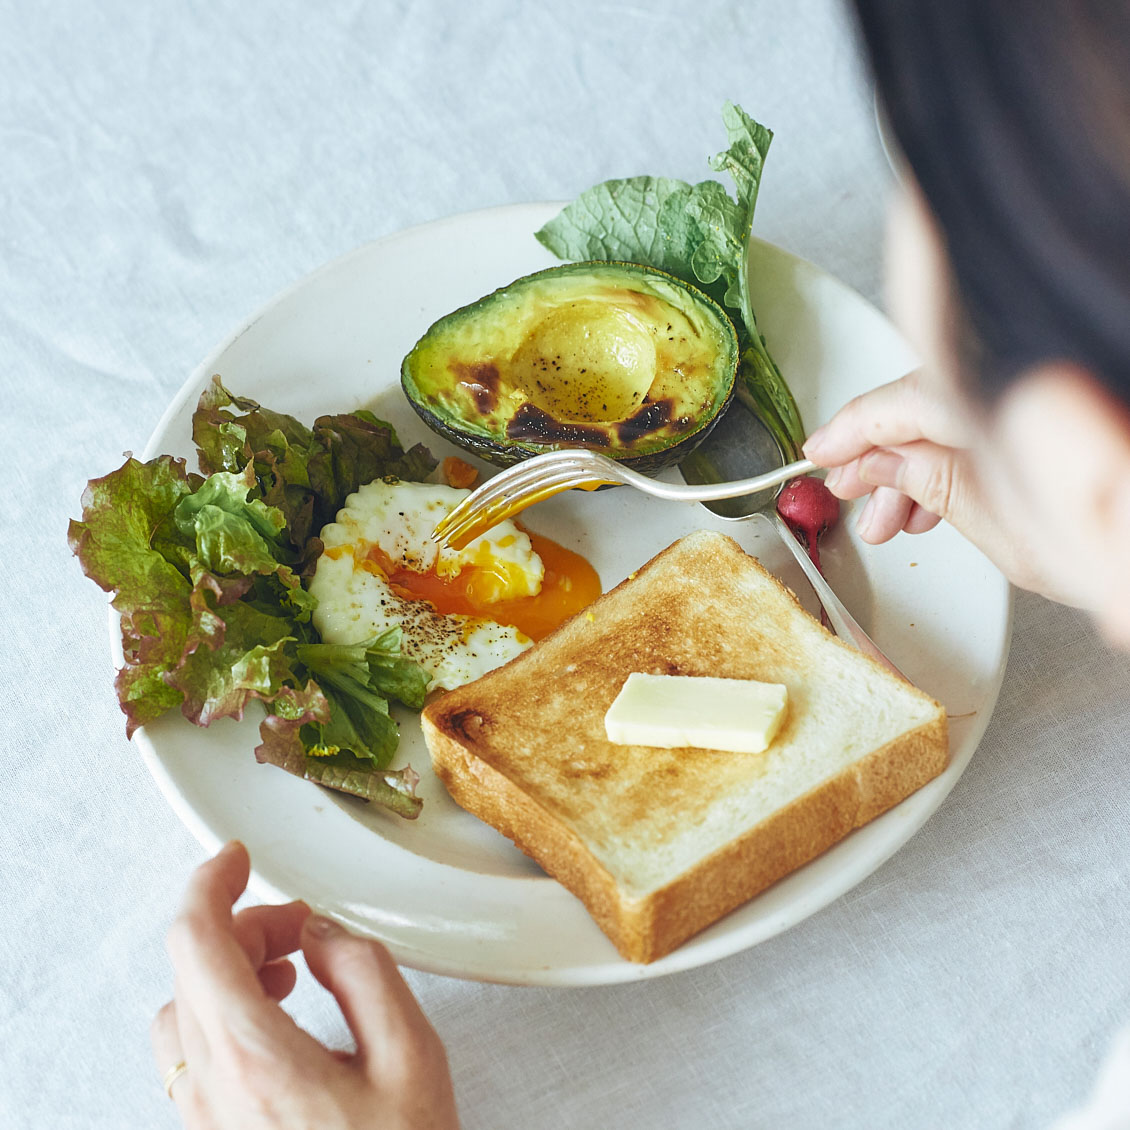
(172, 1075)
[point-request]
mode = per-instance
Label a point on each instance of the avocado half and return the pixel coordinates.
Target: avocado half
(616, 357)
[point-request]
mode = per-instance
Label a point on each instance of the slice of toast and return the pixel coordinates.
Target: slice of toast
(660, 843)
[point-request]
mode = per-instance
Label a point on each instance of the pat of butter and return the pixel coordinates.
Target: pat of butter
(672, 711)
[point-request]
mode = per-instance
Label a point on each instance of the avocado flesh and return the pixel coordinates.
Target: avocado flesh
(619, 358)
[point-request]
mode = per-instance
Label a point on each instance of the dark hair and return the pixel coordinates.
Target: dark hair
(1015, 119)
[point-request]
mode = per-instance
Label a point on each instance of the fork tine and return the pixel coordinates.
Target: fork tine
(513, 478)
(477, 519)
(484, 495)
(490, 495)
(512, 491)
(511, 481)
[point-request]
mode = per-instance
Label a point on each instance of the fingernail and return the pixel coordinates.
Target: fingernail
(833, 477)
(880, 468)
(322, 927)
(232, 845)
(866, 518)
(814, 441)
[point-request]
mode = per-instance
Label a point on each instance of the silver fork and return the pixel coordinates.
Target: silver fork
(543, 476)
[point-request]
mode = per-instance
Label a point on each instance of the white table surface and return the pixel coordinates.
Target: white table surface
(166, 168)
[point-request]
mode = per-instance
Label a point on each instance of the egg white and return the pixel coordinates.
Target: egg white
(355, 601)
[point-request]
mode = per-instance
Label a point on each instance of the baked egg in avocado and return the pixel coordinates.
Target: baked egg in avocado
(616, 357)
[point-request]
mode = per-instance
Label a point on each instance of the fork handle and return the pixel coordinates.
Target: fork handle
(707, 491)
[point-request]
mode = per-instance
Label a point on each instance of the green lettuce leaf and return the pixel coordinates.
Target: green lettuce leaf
(312, 735)
(304, 473)
(375, 666)
(232, 534)
(249, 661)
(206, 576)
(144, 695)
(123, 543)
(353, 449)
(356, 725)
(229, 430)
(293, 709)
(358, 681)
(700, 234)
(394, 789)
(127, 519)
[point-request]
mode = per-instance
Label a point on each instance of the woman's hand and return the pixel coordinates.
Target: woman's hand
(249, 1066)
(912, 451)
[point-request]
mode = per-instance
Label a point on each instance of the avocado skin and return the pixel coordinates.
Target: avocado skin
(534, 366)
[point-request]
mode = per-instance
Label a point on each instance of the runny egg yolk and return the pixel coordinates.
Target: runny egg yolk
(570, 584)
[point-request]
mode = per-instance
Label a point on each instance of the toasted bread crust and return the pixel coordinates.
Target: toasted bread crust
(487, 794)
(523, 748)
(790, 838)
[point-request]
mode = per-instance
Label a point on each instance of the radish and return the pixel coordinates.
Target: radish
(809, 508)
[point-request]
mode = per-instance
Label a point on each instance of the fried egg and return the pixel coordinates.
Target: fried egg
(461, 612)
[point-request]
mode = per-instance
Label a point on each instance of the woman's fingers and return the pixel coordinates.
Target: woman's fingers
(900, 412)
(248, 1063)
(883, 416)
(244, 951)
(914, 487)
(169, 1055)
(214, 977)
(920, 520)
(278, 979)
(901, 446)
(944, 484)
(267, 933)
(884, 515)
(935, 477)
(397, 1049)
(931, 480)
(378, 1006)
(163, 1035)
(844, 482)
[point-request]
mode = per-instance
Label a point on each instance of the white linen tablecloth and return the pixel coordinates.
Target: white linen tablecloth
(164, 169)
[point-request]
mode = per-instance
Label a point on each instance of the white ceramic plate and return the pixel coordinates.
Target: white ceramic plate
(445, 892)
